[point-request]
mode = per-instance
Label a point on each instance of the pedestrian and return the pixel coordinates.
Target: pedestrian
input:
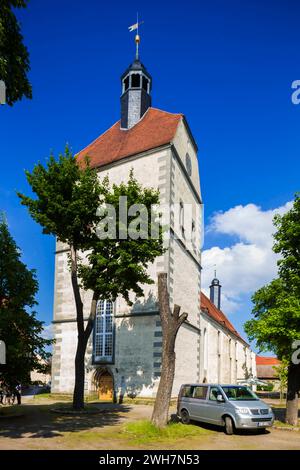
(8, 396)
(18, 393)
(1, 393)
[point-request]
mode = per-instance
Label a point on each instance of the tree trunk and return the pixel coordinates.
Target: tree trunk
(170, 323)
(78, 395)
(83, 334)
(293, 391)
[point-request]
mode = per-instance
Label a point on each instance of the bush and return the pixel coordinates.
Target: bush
(265, 388)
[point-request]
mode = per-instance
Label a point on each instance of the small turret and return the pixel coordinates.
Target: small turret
(215, 292)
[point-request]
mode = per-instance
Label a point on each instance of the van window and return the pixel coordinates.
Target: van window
(187, 391)
(239, 392)
(200, 393)
(214, 392)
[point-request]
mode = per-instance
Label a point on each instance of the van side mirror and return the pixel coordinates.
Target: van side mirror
(220, 398)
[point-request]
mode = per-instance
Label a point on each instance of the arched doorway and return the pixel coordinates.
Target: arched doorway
(105, 384)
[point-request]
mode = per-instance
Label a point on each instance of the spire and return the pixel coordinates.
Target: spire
(136, 88)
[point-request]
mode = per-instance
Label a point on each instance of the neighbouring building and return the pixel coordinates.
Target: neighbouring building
(124, 352)
(266, 370)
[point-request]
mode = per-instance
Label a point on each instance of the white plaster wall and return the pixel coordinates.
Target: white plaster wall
(184, 145)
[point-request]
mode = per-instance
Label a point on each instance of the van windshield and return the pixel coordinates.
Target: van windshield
(239, 393)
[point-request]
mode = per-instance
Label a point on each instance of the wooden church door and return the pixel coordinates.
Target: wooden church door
(106, 387)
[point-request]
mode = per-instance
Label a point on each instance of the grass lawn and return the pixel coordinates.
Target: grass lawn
(144, 432)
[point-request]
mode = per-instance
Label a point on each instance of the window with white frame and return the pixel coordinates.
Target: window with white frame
(104, 332)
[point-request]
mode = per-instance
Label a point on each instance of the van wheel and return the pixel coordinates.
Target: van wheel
(185, 417)
(228, 425)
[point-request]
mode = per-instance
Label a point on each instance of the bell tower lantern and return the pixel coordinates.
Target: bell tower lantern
(136, 88)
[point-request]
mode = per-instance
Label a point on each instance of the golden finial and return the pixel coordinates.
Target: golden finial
(134, 27)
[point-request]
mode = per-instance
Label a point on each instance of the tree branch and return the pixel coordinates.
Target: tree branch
(176, 311)
(92, 315)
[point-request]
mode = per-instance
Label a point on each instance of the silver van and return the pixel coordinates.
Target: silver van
(231, 406)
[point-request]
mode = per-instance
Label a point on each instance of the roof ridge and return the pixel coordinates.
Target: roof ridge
(155, 128)
(221, 316)
(166, 112)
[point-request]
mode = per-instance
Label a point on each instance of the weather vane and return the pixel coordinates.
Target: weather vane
(135, 27)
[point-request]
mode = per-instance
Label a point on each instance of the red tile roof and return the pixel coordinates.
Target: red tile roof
(217, 315)
(156, 128)
(267, 361)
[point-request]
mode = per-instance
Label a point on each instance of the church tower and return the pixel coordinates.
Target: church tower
(136, 88)
(126, 344)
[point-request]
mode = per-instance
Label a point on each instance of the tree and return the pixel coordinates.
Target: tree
(275, 326)
(14, 57)
(170, 324)
(276, 322)
(287, 244)
(281, 371)
(19, 327)
(69, 197)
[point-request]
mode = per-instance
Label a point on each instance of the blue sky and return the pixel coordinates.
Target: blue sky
(227, 65)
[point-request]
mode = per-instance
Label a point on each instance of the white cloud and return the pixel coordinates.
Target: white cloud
(48, 332)
(247, 264)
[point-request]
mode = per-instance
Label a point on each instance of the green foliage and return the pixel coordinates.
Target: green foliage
(276, 311)
(19, 327)
(281, 371)
(265, 388)
(67, 199)
(14, 57)
(119, 266)
(68, 196)
(287, 244)
(276, 322)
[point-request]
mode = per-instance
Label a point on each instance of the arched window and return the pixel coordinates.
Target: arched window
(135, 80)
(205, 352)
(103, 332)
(188, 164)
(181, 217)
(126, 84)
(145, 84)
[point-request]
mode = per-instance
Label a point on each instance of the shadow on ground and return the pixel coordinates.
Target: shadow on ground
(38, 421)
(220, 429)
(280, 413)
